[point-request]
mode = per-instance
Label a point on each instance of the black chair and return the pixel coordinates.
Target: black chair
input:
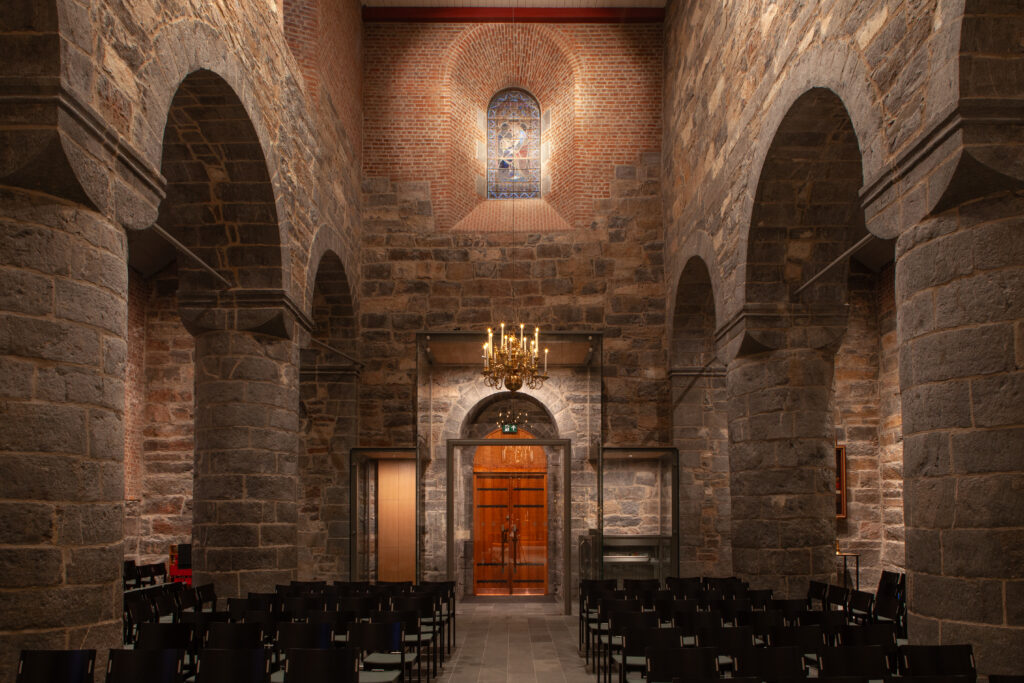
(429, 623)
(937, 660)
(728, 642)
(223, 635)
(761, 622)
(633, 656)
(691, 623)
(771, 663)
(180, 636)
(338, 665)
(759, 598)
(837, 598)
(56, 666)
(292, 635)
(883, 635)
(861, 606)
(233, 666)
(855, 660)
(413, 638)
(684, 587)
(817, 592)
(791, 608)
(665, 664)
(599, 627)
(445, 590)
(206, 595)
(619, 624)
(150, 666)
(380, 647)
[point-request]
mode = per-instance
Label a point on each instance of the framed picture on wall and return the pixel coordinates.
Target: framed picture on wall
(840, 481)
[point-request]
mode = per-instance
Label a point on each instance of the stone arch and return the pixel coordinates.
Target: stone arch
(328, 394)
(837, 69)
(187, 47)
(476, 67)
(220, 201)
(700, 246)
(806, 212)
(699, 426)
(503, 399)
(328, 241)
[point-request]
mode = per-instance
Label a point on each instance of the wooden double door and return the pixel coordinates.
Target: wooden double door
(510, 521)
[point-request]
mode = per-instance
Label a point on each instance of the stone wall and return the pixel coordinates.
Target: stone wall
(633, 501)
(605, 277)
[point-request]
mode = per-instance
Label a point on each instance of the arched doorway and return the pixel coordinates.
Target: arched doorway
(510, 518)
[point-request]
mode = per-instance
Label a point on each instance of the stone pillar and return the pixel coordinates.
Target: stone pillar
(781, 457)
(247, 401)
(63, 304)
(960, 290)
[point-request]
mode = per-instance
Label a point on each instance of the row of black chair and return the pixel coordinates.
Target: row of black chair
(139, 575)
(338, 665)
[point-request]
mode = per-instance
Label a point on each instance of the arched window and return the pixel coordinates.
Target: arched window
(513, 145)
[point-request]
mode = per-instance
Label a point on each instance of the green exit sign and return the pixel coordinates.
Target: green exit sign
(509, 429)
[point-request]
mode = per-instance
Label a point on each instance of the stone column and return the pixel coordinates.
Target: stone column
(63, 304)
(247, 401)
(960, 291)
(781, 456)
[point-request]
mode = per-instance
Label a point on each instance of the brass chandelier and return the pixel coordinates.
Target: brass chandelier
(515, 360)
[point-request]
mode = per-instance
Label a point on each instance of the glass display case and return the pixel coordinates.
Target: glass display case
(638, 503)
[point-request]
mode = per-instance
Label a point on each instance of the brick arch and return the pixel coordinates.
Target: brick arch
(328, 241)
(806, 212)
(478, 65)
(181, 49)
(220, 201)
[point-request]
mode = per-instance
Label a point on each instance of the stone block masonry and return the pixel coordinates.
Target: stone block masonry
(63, 295)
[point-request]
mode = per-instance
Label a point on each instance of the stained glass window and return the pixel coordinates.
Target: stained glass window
(513, 146)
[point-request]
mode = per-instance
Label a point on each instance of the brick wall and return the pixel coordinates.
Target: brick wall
(134, 385)
(426, 84)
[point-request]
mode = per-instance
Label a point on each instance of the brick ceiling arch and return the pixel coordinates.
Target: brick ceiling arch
(480, 63)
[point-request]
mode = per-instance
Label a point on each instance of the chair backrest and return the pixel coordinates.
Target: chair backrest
(855, 660)
(691, 622)
(207, 595)
(730, 640)
(933, 660)
(869, 634)
(233, 666)
(150, 666)
(664, 664)
(817, 592)
(763, 621)
(386, 636)
(759, 598)
(223, 635)
(808, 639)
(837, 598)
(299, 635)
(636, 641)
(337, 665)
(56, 666)
(771, 662)
(620, 622)
(178, 636)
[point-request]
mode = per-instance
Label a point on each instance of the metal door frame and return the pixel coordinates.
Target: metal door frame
(566, 446)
